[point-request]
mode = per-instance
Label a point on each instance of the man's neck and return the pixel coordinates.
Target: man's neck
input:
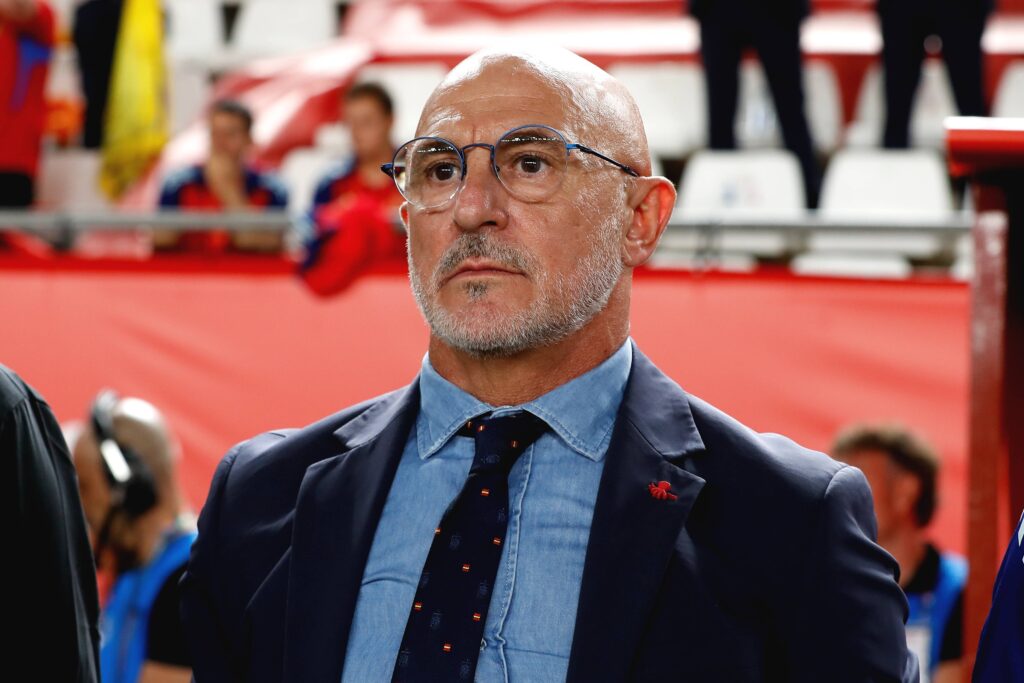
(514, 380)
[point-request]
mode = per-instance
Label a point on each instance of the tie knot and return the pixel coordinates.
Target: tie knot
(501, 440)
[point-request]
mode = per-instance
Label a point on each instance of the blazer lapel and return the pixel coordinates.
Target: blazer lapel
(634, 530)
(336, 514)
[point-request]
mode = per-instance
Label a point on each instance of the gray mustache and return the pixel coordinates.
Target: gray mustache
(478, 245)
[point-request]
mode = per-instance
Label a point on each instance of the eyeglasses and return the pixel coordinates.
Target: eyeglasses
(529, 161)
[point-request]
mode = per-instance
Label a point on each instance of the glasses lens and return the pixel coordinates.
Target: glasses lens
(531, 162)
(428, 171)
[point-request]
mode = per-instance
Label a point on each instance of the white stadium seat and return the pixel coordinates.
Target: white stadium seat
(672, 102)
(910, 184)
(887, 185)
(334, 137)
(846, 265)
(69, 181)
(189, 92)
(761, 184)
(281, 27)
(409, 86)
(300, 171)
(933, 102)
(63, 81)
(1009, 100)
(195, 31)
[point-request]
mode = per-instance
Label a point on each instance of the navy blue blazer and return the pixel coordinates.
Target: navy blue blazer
(764, 568)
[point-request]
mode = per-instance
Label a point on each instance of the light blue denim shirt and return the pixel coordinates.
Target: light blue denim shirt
(552, 489)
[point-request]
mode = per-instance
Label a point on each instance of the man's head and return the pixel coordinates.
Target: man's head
(136, 425)
(230, 129)
(495, 274)
(369, 115)
(901, 469)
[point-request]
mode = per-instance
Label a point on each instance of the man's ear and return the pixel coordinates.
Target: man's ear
(651, 200)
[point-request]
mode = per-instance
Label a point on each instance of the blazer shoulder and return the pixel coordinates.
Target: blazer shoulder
(277, 459)
(771, 462)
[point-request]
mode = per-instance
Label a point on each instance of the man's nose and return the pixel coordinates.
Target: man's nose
(482, 199)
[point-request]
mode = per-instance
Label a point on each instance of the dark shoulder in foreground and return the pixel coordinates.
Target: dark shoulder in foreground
(14, 390)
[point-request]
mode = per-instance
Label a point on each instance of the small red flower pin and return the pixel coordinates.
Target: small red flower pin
(661, 491)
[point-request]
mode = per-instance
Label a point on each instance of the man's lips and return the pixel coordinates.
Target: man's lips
(475, 268)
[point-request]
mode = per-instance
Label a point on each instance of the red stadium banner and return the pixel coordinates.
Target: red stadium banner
(232, 349)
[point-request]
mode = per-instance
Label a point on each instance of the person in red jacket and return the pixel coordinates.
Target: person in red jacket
(355, 206)
(224, 182)
(26, 42)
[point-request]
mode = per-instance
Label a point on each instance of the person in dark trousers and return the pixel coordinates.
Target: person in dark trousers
(51, 602)
(95, 30)
(905, 26)
(772, 27)
(1001, 648)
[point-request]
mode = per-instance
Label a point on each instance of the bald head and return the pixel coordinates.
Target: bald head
(566, 91)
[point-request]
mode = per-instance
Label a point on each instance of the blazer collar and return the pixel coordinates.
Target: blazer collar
(634, 532)
(336, 514)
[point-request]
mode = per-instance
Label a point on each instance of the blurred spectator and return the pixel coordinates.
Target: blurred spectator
(354, 213)
(905, 26)
(225, 182)
(96, 25)
(50, 599)
(26, 42)
(772, 27)
(143, 531)
(902, 471)
(1001, 649)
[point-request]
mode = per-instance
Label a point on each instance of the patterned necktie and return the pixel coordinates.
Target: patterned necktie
(443, 634)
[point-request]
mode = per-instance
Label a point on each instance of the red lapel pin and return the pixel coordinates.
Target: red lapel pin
(661, 491)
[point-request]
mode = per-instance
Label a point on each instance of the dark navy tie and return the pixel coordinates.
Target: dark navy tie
(446, 623)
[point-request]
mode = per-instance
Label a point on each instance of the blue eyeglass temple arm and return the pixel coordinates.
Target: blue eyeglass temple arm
(389, 168)
(587, 150)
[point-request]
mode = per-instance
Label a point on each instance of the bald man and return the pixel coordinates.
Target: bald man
(141, 531)
(541, 503)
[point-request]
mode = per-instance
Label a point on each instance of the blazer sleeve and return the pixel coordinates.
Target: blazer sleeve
(207, 633)
(847, 622)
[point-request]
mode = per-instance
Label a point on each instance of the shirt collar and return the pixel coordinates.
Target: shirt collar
(581, 412)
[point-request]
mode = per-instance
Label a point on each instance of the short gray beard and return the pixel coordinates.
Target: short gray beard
(567, 301)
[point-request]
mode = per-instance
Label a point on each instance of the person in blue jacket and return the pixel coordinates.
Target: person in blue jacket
(902, 470)
(1001, 649)
(142, 534)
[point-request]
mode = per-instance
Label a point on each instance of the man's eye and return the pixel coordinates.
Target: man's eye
(442, 171)
(530, 164)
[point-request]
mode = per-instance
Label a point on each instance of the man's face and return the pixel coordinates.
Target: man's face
(228, 136)
(369, 126)
(492, 274)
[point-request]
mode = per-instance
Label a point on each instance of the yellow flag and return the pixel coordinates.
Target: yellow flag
(135, 125)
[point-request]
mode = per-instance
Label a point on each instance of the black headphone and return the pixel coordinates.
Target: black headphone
(132, 486)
